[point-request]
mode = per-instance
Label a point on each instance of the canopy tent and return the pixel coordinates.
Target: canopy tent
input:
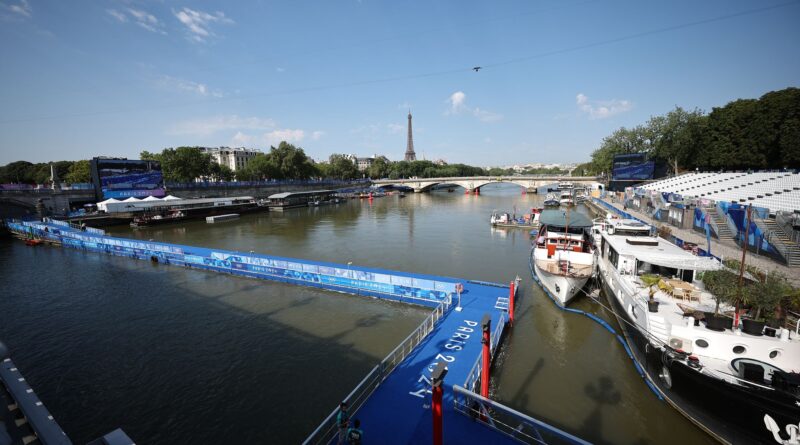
(151, 198)
(132, 199)
(170, 198)
(103, 205)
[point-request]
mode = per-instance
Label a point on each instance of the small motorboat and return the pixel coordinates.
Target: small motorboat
(551, 200)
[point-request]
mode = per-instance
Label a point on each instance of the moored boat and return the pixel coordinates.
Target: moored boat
(562, 254)
(551, 200)
(528, 220)
(740, 387)
(565, 199)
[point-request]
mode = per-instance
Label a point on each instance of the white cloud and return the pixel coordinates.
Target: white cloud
(120, 16)
(209, 126)
(395, 128)
(317, 135)
(141, 18)
(198, 23)
(458, 105)
(272, 138)
(601, 109)
(174, 83)
(456, 101)
(285, 134)
(23, 8)
(146, 20)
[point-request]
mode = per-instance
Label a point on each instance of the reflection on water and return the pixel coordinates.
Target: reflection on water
(185, 356)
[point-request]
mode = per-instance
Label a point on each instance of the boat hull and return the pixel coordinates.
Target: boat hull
(729, 412)
(562, 288)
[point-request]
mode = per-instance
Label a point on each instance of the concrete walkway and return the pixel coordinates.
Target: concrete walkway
(725, 250)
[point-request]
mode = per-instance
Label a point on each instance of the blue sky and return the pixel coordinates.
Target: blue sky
(86, 78)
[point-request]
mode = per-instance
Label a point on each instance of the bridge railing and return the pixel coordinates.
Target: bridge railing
(508, 421)
(328, 429)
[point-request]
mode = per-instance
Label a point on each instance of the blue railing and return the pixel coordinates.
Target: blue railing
(267, 183)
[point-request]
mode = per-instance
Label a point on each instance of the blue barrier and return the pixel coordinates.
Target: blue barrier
(408, 287)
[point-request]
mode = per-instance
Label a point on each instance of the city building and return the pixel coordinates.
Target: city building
(235, 158)
(365, 163)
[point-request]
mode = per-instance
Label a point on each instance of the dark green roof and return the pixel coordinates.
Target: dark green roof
(558, 218)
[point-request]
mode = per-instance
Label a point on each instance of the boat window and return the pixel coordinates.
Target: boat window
(613, 256)
(701, 343)
(739, 349)
(775, 353)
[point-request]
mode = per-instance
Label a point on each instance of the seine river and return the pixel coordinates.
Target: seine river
(185, 356)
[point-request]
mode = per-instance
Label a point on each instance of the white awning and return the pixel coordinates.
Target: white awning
(151, 198)
(132, 199)
(688, 262)
(171, 198)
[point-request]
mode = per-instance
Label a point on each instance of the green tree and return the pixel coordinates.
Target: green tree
(19, 172)
(341, 167)
(79, 172)
(674, 137)
(379, 168)
(185, 164)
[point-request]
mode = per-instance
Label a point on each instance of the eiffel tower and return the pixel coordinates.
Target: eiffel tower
(410, 155)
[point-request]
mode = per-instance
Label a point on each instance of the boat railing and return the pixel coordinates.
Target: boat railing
(328, 429)
(508, 421)
(793, 317)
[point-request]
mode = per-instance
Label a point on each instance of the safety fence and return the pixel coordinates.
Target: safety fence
(508, 421)
(328, 429)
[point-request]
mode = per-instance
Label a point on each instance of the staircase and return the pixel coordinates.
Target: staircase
(658, 327)
(775, 235)
(719, 223)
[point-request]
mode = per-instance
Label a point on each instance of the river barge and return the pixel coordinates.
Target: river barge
(291, 200)
(740, 387)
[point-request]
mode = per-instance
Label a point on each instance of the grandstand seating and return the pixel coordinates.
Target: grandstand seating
(776, 191)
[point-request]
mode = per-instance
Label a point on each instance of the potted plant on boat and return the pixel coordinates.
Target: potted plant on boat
(764, 296)
(651, 280)
(722, 285)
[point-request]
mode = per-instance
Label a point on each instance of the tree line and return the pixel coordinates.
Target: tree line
(24, 172)
(186, 164)
(744, 134)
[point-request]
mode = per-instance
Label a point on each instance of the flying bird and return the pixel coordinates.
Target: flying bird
(477, 68)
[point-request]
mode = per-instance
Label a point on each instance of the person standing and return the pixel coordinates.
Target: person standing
(342, 421)
(354, 433)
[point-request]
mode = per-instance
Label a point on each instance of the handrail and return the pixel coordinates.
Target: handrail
(499, 417)
(474, 374)
(326, 430)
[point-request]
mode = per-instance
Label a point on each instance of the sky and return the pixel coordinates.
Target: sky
(89, 78)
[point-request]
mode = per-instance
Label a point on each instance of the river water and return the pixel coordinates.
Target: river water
(184, 356)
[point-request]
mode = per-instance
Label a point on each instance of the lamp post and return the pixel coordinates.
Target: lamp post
(349, 272)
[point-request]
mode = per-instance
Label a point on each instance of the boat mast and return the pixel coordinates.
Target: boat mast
(745, 241)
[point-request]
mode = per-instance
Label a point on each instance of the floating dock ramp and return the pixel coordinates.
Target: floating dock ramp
(394, 401)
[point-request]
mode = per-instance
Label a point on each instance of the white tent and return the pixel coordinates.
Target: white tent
(171, 198)
(151, 198)
(132, 199)
(103, 205)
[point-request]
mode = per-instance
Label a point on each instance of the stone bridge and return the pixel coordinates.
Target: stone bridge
(474, 183)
